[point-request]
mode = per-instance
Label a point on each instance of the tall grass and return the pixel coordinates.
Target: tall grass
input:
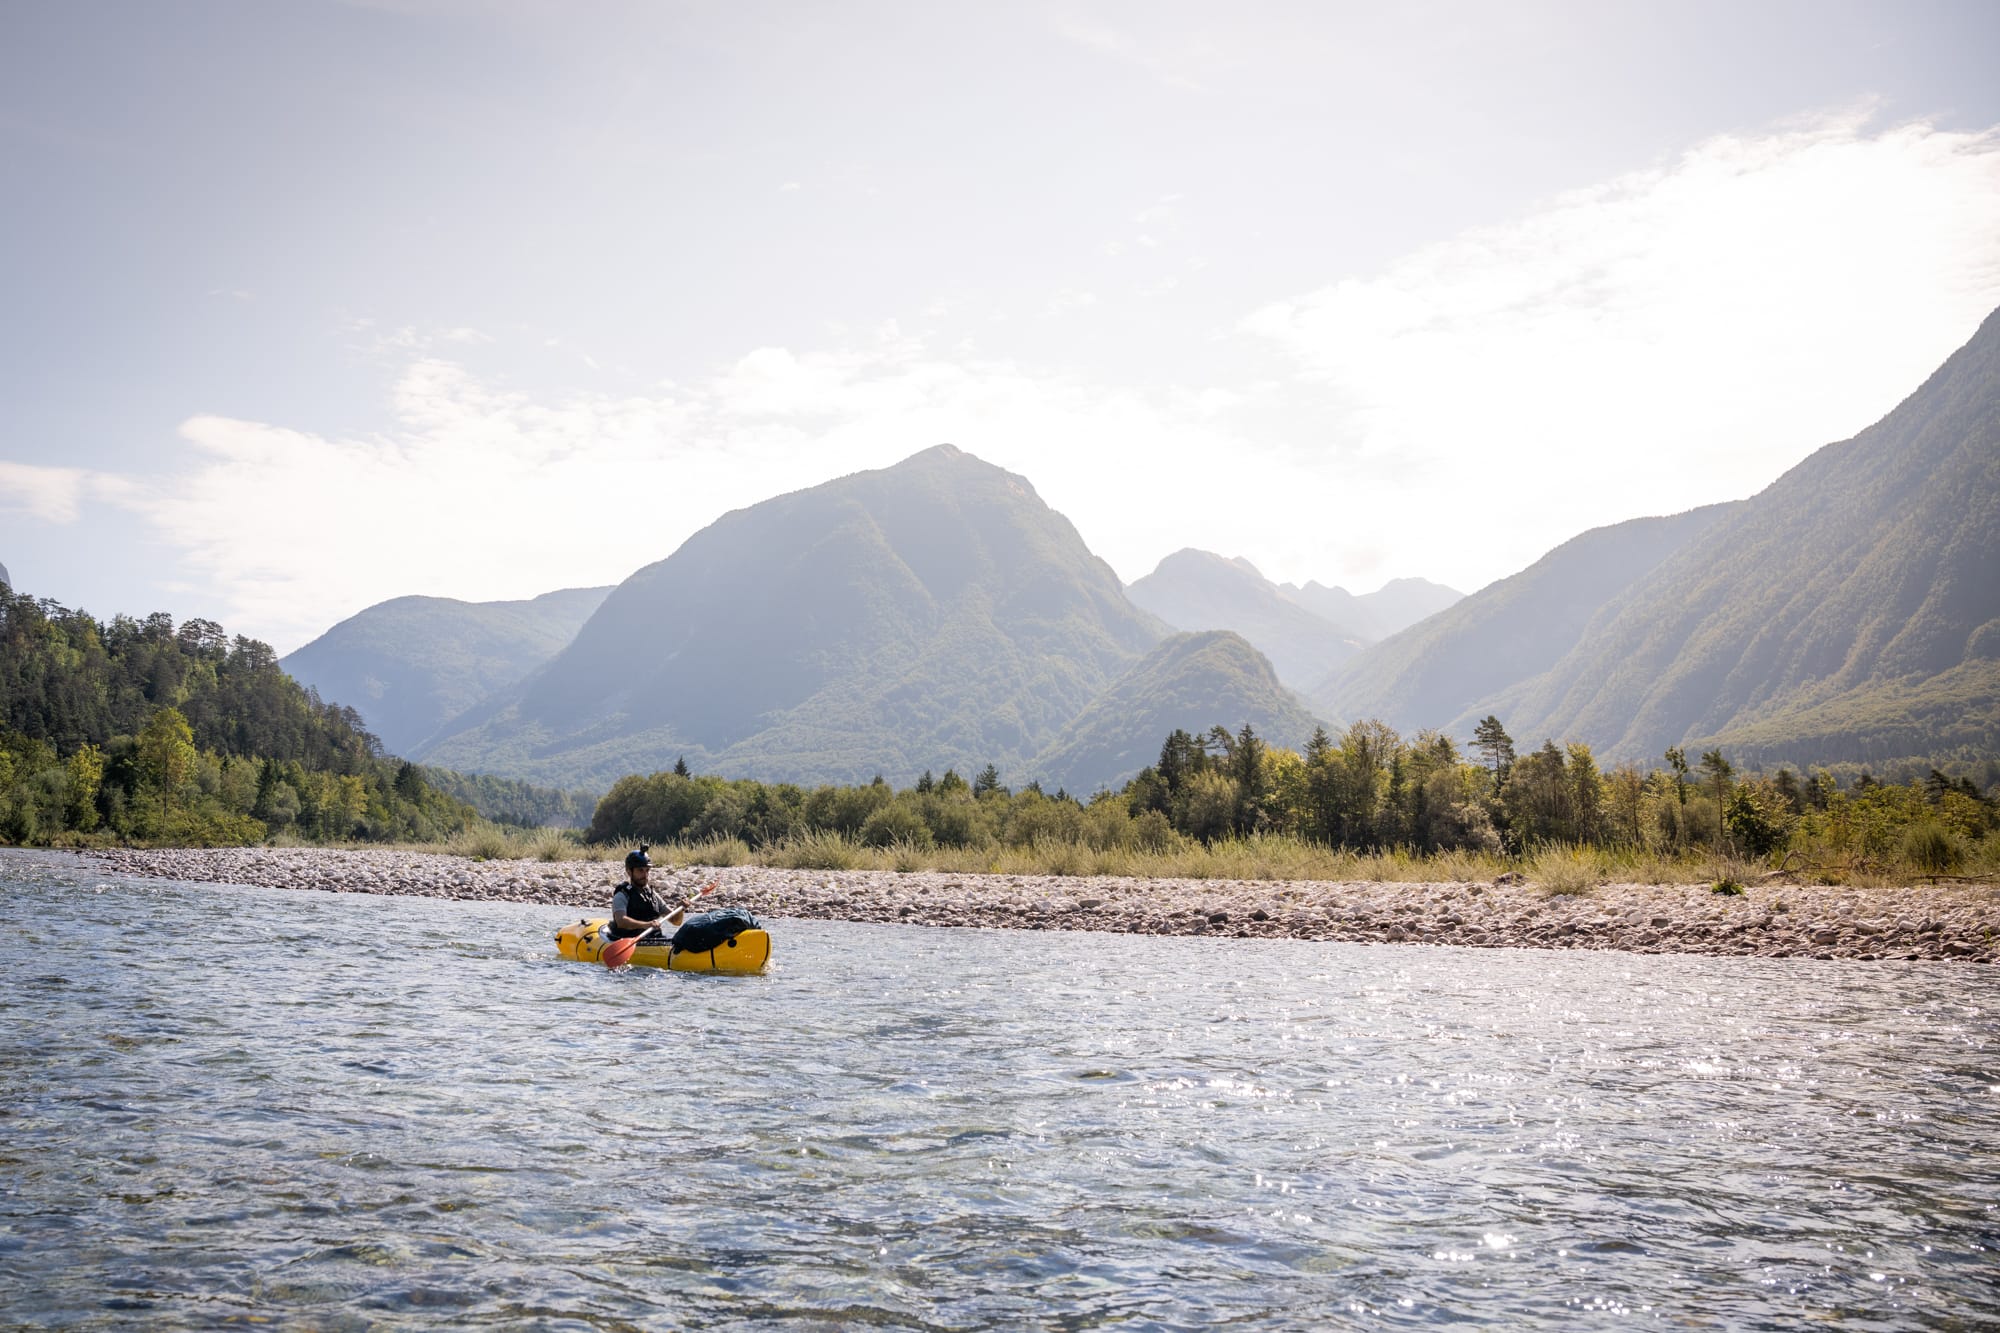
(821, 850)
(1566, 869)
(1558, 869)
(489, 842)
(552, 844)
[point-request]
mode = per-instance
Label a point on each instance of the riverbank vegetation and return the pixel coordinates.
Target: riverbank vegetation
(1367, 804)
(141, 731)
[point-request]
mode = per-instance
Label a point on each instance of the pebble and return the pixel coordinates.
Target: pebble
(1957, 922)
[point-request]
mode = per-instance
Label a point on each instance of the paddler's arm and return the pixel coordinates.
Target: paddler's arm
(619, 921)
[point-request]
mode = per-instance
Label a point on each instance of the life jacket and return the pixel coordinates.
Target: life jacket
(642, 904)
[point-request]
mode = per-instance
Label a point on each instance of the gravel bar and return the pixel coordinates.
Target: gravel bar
(1951, 922)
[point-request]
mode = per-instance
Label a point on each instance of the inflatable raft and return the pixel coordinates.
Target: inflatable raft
(583, 941)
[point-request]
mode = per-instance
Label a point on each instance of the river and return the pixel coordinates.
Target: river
(338, 1111)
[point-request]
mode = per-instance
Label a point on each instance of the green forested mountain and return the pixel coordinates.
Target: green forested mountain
(141, 729)
(1455, 665)
(1395, 606)
(1186, 683)
(1849, 611)
(928, 615)
(411, 664)
(1199, 590)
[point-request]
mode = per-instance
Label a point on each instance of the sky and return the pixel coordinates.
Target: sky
(312, 304)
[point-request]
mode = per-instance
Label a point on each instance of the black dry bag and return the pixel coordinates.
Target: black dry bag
(710, 930)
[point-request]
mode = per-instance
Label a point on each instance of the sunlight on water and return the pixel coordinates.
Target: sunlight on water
(368, 1112)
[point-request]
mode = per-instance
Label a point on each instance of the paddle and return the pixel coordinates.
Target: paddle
(619, 952)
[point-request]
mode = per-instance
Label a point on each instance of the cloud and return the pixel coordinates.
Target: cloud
(1665, 339)
(52, 494)
(484, 493)
(1669, 338)
(1179, 64)
(1068, 300)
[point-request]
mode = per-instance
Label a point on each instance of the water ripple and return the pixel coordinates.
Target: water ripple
(362, 1112)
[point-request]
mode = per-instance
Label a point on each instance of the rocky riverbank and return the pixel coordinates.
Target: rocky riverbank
(1955, 922)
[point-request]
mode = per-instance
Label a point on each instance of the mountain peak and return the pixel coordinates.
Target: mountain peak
(1192, 558)
(934, 612)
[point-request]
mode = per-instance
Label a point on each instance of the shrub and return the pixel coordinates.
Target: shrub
(1153, 832)
(1933, 849)
(1753, 820)
(895, 824)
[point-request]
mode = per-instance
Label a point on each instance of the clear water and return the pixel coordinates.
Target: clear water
(339, 1111)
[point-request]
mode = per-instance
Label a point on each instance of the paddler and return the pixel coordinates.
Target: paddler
(635, 908)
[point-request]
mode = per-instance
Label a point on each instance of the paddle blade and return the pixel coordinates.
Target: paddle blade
(619, 952)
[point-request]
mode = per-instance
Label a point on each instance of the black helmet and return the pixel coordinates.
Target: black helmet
(638, 858)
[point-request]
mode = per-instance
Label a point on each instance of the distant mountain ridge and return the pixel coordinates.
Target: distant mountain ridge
(1306, 632)
(1393, 607)
(1453, 668)
(935, 613)
(4, 578)
(411, 664)
(1196, 591)
(1849, 612)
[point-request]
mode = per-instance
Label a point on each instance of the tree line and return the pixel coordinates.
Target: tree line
(1365, 788)
(142, 730)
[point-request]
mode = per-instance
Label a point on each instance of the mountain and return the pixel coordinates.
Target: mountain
(411, 664)
(1849, 611)
(1193, 681)
(3, 577)
(1454, 665)
(935, 613)
(1198, 590)
(1394, 606)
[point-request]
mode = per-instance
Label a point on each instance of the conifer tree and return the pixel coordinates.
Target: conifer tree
(1491, 739)
(1718, 770)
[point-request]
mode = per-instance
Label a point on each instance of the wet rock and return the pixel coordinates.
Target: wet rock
(1925, 921)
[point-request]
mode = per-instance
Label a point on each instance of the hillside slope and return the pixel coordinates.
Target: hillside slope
(1461, 660)
(1845, 612)
(411, 664)
(1192, 681)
